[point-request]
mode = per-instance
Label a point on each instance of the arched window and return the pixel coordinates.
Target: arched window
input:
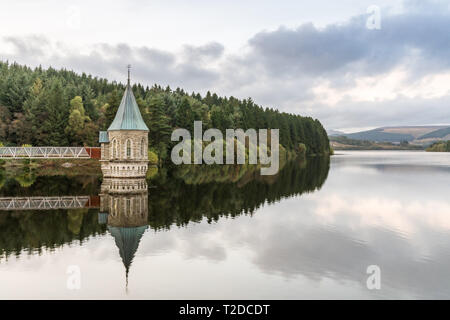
(128, 146)
(114, 150)
(143, 148)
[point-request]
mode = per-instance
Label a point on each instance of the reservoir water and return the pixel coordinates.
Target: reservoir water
(227, 233)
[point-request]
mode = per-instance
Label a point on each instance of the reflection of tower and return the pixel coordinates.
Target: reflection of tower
(124, 147)
(124, 207)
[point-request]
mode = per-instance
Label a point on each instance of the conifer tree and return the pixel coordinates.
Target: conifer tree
(158, 125)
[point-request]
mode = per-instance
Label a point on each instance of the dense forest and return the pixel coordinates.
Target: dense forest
(59, 107)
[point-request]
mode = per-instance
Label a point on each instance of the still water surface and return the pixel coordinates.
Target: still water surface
(310, 232)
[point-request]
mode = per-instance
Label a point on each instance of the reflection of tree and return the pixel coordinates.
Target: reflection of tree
(178, 202)
(26, 178)
(34, 230)
(50, 185)
(152, 172)
(199, 174)
(171, 201)
(75, 220)
(2, 178)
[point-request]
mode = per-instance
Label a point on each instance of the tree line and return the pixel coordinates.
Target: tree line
(49, 107)
(440, 146)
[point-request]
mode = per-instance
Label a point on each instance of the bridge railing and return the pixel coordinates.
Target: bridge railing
(46, 152)
(48, 203)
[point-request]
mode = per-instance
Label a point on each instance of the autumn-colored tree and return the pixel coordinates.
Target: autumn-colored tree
(77, 121)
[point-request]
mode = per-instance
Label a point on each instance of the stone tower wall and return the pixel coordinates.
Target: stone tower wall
(116, 163)
(125, 201)
(105, 151)
(137, 137)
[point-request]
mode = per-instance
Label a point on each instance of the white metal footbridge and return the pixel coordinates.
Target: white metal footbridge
(48, 152)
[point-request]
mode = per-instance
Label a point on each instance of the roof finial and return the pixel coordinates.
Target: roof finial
(129, 67)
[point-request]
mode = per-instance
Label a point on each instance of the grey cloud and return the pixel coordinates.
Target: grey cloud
(209, 50)
(105, 60)
(28, 46)
(351, 47)
(156, 57)
(426, 6)
(198, 76)
(401, 111)
(280, 68)
(289, 63)
(155, 66)
(305, 50)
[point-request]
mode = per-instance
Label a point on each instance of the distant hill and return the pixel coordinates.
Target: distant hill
(440, 133)
(412, 134)
(332, 133)
(379, 135)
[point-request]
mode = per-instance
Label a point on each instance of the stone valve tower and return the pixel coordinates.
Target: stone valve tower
(124, 146)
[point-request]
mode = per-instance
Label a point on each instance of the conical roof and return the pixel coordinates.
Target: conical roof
(128, 116)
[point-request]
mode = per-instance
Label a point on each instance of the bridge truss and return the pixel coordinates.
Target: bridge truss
(46, 203)
(45, 152)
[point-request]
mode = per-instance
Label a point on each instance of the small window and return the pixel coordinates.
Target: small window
(128, 148)
(143, 144)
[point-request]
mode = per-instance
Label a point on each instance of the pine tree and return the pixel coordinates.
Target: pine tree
(111, 110)
(159, 127)
(58, 115)
(36, 112)
(88, 96)
(184, 115)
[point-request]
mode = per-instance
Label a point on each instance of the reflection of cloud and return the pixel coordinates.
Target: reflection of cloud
(396, 221)
(361, 216)
(295, 238)
(196, 241)
(403, 216)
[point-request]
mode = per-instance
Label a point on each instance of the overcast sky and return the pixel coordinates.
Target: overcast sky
(315, 58)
